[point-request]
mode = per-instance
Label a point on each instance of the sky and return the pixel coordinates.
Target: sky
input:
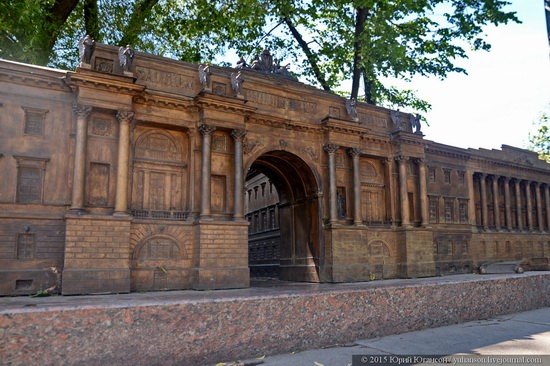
(505, 89)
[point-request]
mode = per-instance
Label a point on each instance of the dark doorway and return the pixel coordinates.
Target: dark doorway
(283, 211)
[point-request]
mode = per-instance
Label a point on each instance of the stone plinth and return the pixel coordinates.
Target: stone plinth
(202, 328)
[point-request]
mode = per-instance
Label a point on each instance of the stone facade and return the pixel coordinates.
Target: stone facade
(141, 180)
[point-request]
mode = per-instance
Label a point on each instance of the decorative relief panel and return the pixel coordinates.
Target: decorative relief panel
(104, 65)
(158, 248)
(334, 112)
(219, 88)
(157, 146)
(378, 248)
(373, 120)
(102, 127)
(219, 142)
(164, 79)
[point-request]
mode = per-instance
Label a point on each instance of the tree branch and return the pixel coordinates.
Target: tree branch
(132, 30)
(312, 58)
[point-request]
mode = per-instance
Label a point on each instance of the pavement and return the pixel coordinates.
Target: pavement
(500, 341)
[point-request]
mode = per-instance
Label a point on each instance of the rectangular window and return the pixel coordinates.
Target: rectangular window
(433, 209)
(30, 179)
(34, 121)
(29, 187)
(431, 174)
(447, 176)
(448, 211)
(26, 246)
(461, 178)
(463, 212)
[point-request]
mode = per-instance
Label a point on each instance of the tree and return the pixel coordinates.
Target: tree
(539, 141)
(330, 40)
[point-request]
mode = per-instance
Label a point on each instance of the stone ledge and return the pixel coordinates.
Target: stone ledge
(197, 327)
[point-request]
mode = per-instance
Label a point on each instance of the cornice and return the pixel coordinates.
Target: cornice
(96, 80)
(339, 125)
(448, 153)
(229, 104)
(34, 79)
(165, 100)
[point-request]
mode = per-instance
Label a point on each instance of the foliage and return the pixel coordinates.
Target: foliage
(539, 141)
(330, 41)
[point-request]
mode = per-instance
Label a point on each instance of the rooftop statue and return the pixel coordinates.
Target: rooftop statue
(126, 57)
(237, 81)
(204, 77)
(265, 63)
(86, 47)
(351, 107)
(415, 123)
(396, 118)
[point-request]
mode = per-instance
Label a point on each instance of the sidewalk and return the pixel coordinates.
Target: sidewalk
(526, 333)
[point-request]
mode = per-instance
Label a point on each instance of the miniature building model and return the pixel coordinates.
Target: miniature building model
(160, 174)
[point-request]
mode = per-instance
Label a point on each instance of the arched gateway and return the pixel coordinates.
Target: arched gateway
(295, 246)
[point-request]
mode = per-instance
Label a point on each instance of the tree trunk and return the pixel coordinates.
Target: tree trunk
(368, 84)
(132, 31)
(91, 19)
(360, 18)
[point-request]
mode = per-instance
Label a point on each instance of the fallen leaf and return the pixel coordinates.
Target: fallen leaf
(261, 358)
(318, 364)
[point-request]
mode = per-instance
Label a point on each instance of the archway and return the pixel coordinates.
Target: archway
(296, 254)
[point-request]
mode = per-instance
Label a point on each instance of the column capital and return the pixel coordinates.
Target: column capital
(421, 161)
(355, 152)
(206, 129)
(82, 110)
(331, 148)
(238, 134)
(401, 159)
(125, 115)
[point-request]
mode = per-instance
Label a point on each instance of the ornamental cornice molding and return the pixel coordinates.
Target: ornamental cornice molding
(447, 153)
(37, 80)
(113, 83)
(165, 101)
(224, 103)
(337, 125)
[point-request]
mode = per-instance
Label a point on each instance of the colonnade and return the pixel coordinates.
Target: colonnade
(125, 118)
(402, 162)
(514, 218)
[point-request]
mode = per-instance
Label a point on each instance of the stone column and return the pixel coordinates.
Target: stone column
(206, 176)
(507, 203)
(424, 205)
(389, 163)
(529, 205)
(484, 212)
(357, 215)
(333, 204)
(79, 170)
(471, 196)
(405, 217)
(547, 205)
(519, 213)
(538, 198)
(121, 201)
(238, 136)
(496, 208)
